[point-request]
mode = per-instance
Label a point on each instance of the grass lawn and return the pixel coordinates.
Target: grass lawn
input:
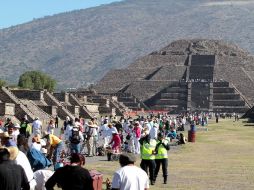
(222, 158)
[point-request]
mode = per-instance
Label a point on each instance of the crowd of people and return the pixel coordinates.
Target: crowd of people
(146, 137)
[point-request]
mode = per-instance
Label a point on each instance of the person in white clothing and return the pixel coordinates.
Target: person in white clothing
(129, 177)
(111, 129)
(130, 138)
(154, 131)
(103, 133)
(20, 158)
(15, 132)
(36, 126)
(68, 129)
(41, 176)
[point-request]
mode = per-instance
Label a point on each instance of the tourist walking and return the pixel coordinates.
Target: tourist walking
(90, 133)
(51, 127)
(36, 126)
(56, 121)
(129, 176)
(137, 135)
(76, 137)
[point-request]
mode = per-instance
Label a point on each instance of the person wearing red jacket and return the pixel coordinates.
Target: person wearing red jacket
(116, 141)
(116, 147)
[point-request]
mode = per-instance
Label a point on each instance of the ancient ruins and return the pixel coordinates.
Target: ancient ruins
(187, 75)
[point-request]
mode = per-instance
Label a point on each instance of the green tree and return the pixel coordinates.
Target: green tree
(36, 80)
(2, 83)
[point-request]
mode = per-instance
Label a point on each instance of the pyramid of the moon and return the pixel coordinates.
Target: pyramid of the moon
(188, 75)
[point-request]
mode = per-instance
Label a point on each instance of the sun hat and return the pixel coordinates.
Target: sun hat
(6, 135)
(13, 150)
(90, 124)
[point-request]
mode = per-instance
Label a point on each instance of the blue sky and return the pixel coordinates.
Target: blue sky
(13, 12)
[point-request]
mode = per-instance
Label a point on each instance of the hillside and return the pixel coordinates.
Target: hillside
(81, 46)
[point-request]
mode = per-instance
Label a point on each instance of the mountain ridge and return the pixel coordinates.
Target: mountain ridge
(81, 46)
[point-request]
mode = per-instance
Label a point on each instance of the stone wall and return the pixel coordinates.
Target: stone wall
(62, 97)
(75, 110)
(156, 61)
(111, 87)
(170, 72)
(128, 74)
(92, 107)
(7, 109)
(51, 110)
(236, 76)
(202, 60)
(50, 99)
(28, 94)
(144, 90)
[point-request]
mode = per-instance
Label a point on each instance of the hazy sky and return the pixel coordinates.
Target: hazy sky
(13, 12)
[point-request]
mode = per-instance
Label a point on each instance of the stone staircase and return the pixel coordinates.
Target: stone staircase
(226, 99)
(63, 98)
(200, 96)
(104, 104)
(84, 112)
(36, 110)
(119, 107)
(20, 109)
(172, 99)
(61, 110)
(128, 100)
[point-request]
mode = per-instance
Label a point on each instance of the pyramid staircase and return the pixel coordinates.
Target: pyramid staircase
(172, 99)
(20, 109)
(84, 112)
(198, 92)
(62, 112)
(36, 110)
(227, 99)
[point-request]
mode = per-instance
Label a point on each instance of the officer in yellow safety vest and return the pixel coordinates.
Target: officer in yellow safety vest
(161, 157)
(148, 157)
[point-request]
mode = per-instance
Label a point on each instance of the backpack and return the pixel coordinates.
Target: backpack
(88, 133)
(37, 160)
(75, 138)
